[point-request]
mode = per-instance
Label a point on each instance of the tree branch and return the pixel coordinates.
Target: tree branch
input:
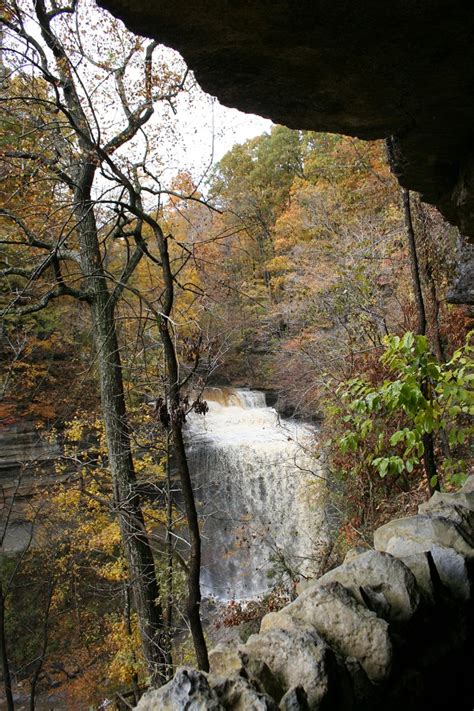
(61, 290)
(127, 272)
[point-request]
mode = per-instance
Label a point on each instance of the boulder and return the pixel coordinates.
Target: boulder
(295, 700)
(230, 660)
(348, 627)
(354, 552)
(380, 581)
(457, 507)
(297, 657)
(239, 694)
(189, 689)
(426, 575)
(440, 500)
(453, 568)
(427, 531)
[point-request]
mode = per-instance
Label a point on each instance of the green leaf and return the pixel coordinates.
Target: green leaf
(396, 437)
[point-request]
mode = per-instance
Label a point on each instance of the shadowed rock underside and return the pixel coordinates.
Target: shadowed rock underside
(366, 68)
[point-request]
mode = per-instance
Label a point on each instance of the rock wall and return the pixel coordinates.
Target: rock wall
(26, 460)
(390, 628)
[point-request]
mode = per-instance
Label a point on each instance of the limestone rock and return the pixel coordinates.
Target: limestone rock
(453, 569)
(230, 660)
(295, 700)
(457, 507)
(364, 691)
(428, 531)
(376, 578)
(189, 689)
(297, 657)
(420, 566)
(348, 627)
(468, 486)
(239, 694)
(354, 552)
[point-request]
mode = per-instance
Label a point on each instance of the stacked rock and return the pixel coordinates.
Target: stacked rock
(390, 627)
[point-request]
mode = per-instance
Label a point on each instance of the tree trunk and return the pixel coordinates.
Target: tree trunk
(426, 268)
(169, 544)
(414, 266)
(128, 626)
(44, 646)
(127, 504)
(194, 588)
(429, 460)
(7, 682)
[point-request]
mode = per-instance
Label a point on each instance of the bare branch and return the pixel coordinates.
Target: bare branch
(48, 163)
(61, 290)
(130, 267)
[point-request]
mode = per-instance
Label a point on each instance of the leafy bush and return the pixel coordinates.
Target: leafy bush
(390, 421)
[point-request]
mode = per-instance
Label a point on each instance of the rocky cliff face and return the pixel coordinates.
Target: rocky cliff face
(26, 461)
(365, 68)
(391, 628)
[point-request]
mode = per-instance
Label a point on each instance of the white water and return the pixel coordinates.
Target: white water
(259, 493)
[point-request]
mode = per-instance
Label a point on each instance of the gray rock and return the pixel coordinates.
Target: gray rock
(427, 531)
(239, 694)
(189, 689)
(457, 507)
(348, 627)
(464, 498)
(453, 570)
(420, 567)
(380, 581)
(295, 700)
(468, 486)
(297, 657)
(364, 691)
(230, 660)
(354, 552)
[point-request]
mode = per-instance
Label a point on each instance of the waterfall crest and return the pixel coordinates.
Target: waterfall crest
(259, 491)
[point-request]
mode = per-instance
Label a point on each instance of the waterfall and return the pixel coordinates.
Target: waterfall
(259, 491)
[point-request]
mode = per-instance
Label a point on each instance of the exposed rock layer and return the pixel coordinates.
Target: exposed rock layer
(382, 630)
(365, 68)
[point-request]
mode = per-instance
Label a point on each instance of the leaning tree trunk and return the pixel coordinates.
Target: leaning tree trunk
(429, 459)
(193, 602)
(414, 266)
(127, 503)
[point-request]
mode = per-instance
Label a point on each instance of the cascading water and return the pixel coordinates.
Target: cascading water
(259, 493)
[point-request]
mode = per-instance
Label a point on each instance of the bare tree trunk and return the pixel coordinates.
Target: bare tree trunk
(44, 646)
(7, 682)
(78, 176)
(426, 270)
(194, 588)
(414, 265)
(169, 545)
(429, 459)
(127, 503)
(128, 626)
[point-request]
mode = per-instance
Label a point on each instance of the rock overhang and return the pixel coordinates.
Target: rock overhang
(361, 68)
